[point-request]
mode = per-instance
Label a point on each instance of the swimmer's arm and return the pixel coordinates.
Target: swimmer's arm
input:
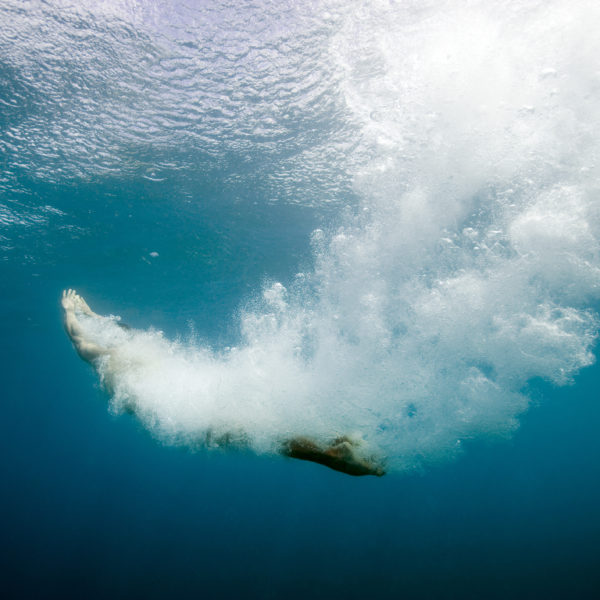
(86, 349)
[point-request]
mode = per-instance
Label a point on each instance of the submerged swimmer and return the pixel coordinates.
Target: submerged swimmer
(341, 454)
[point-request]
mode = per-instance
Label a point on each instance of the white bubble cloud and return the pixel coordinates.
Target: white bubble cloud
(471, 266)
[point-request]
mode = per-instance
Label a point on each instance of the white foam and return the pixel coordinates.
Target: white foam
(470, 268)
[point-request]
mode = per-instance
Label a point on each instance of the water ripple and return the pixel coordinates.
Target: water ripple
(87, 87)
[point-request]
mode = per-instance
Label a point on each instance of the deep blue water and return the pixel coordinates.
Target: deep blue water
(93, 507)
(96, 506)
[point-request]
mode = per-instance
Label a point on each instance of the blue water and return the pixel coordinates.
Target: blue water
(172, 163)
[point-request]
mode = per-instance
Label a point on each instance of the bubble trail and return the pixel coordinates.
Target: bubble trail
(471, 265)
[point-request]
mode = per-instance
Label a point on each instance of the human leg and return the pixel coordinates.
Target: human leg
(341, 455)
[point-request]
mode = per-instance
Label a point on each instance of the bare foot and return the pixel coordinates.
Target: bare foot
(341, 455)
(347, 450)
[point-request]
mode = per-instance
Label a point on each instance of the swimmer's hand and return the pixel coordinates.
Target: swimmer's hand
(67, 300)
(72, 301)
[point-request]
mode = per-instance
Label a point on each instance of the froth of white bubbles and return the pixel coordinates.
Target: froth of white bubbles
(475, 260)
(470, 268)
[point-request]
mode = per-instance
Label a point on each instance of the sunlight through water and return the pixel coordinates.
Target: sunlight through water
(468, 266)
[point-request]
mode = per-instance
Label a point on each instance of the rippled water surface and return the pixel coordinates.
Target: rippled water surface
(371, 218)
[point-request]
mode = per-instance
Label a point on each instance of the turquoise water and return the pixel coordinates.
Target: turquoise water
(371, 218)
